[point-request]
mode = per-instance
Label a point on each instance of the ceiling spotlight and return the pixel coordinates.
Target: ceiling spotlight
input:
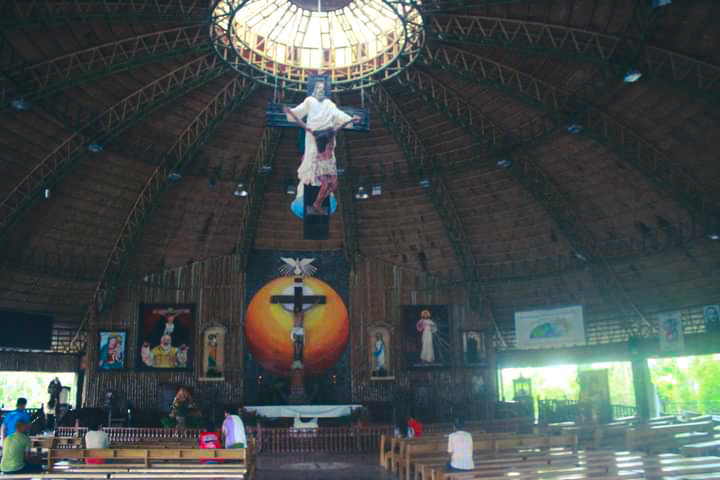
(580, 256)
(265, 169)
(20, 104)
(574, 128)
(95, 148)
(714, 236)
(376, 190)
(425, 183)
(361, 193)
(240, 190)
(174, 176)
(632, 75)
(46, 193)
(504, 163)
(660, 3)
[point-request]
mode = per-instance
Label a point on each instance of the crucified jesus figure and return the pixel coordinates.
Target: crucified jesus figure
(324, 120)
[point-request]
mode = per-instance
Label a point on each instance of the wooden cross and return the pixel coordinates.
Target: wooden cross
(298, 300)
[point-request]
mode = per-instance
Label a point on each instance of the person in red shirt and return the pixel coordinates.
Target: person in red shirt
(210, 439)
(415, 426)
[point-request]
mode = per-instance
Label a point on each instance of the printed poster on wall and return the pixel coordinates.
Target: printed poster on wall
(711, 314)
(556, 327)
(671, 332)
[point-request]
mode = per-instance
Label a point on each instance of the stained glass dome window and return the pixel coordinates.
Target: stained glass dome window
(281, 42)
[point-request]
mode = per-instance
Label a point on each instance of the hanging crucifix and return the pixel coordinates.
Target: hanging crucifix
(297, 335)
(321, 120)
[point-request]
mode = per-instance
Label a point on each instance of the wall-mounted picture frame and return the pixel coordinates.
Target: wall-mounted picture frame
(112, 348)
(379, 361)
(474, 348)
(212, 363)
(165, 337)
(427, 336)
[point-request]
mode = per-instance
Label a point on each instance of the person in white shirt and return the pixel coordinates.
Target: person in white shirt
(460, 448)
(96, 438)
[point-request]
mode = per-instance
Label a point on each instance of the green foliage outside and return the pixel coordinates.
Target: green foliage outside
(560, 382)
(33, 386)
(687, 384)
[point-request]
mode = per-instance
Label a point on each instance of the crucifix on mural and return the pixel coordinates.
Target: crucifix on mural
(321, 120)
(297, 335)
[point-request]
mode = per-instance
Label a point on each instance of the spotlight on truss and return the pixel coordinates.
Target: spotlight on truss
(660, 3)
(95, 147)
(504, 163)
(20, 104)
(46, 193)
(425, 183)
(574, 128)
(632, 75)
(265, 169)
(376, 190)
(361, 193)
(174, 176)
(240, 190)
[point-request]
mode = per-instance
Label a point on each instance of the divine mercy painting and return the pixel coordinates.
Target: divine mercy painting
(427, 336)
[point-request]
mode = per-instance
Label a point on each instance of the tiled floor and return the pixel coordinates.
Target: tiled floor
(320, 466)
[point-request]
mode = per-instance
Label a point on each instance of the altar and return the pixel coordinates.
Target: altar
(306, 411)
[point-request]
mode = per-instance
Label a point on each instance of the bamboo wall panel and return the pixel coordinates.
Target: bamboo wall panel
(38, 362)
(377, 292)
(216, 288)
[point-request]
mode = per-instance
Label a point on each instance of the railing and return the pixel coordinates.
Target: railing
(691, 408)
(120, 435)
(555, 411)
(621, 411)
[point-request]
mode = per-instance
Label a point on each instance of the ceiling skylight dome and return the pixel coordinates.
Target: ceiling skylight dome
(281, 42)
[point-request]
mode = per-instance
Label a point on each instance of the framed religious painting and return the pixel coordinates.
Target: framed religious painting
(212, 363)
(112, 348)
(379, 361)
(165, 337)
(427, 336)
(474, 353)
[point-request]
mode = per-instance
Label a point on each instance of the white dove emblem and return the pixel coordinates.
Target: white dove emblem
(297, 267)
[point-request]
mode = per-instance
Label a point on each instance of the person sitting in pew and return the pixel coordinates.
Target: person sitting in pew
(96, 438)
(460, 448)
(16, 452)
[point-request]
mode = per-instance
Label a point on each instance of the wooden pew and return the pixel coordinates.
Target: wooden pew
(148, 462)
(569, 464)
(701, 449)
(664, 437)
(421, 460)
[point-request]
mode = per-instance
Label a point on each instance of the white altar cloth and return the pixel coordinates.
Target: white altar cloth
(306, 411)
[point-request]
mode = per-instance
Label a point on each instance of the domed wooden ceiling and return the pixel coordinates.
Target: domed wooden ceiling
(513, 158)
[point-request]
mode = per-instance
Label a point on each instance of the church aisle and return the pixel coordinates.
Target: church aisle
(320, 466)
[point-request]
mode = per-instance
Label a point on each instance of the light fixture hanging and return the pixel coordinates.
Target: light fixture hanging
(174, 176)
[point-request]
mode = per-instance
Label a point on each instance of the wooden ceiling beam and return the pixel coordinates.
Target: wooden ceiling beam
(40, 13)
(666, 67)
(101, 131)
(561, 106)
(234, 93)
(31, 83)
(423, 165)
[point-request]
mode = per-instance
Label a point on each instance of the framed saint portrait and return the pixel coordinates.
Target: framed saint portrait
(165, 337)
(379, 361)
(112, 350)
(213, 355)
(474, 353)
(427, 336)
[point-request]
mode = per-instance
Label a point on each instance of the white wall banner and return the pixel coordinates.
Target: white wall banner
(557, 327)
